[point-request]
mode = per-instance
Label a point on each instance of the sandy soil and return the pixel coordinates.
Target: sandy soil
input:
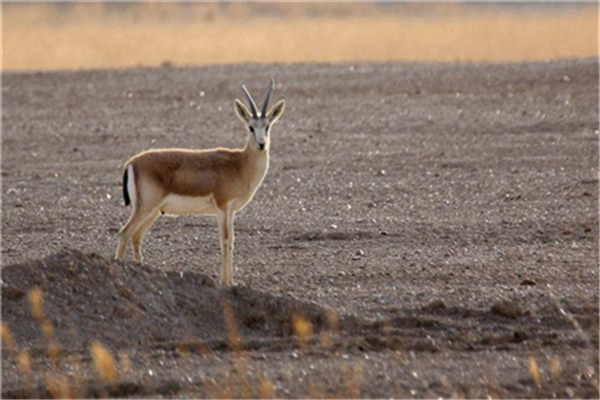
(447, 215)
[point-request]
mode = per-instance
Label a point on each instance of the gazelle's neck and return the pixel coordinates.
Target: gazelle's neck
(256, 164)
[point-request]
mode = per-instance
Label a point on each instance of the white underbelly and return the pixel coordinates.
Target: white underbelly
(178, 205)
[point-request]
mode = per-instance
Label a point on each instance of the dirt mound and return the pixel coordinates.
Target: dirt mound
(87, 297)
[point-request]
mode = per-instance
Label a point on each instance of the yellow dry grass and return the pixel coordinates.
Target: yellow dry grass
(104, 363)
(37, 304)
(535, 371)
(303, 331)
(266, 389)
(89, 35)
(24, 362)
(8, 341)
(59, 387)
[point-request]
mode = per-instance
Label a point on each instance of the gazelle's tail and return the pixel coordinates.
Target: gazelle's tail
(128, 185)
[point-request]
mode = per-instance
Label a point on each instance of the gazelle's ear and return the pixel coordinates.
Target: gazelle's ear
(242, 112)
(276, 112)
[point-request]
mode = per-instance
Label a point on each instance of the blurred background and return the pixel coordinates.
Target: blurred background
(68, 36)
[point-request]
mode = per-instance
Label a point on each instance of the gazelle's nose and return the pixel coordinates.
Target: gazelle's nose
(261, 146)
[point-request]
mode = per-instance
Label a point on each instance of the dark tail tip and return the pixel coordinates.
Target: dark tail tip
(125, 193)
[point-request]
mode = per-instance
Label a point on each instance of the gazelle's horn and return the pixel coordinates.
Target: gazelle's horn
(251, 101)
(266, 104)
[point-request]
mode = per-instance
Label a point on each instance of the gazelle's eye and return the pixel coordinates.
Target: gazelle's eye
(252, 129)
(267, 128)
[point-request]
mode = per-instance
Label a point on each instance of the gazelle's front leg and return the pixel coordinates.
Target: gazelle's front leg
(226, 238)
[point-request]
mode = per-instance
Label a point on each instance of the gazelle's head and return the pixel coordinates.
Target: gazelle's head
(259, 123)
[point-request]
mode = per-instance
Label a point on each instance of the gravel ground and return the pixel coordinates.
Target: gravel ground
(446, 214)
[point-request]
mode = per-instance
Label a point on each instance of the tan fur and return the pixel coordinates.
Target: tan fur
(225, 174)
(211, 182)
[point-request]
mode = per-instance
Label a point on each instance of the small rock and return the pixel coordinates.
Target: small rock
(436, 305)
(12, 293)
(527, 282)
(507, 309)
(520, 336)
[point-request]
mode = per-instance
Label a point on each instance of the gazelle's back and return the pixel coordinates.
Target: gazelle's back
(189, 172)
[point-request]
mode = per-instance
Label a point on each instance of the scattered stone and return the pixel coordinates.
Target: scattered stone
(520, 336)
(527, 282)
(12, 293)
(435, 305)
(507, 309)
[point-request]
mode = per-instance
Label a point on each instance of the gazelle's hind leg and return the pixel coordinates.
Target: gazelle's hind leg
(138, 218)
(138, 236)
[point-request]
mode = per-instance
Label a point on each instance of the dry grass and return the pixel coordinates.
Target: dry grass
(104, 363)
(303, 331)
(24, 362)
(36, 300)
(37, 304)
(240, 382)
(8, 342)
(555, 368)
(91, 35)
(265, 388)
(535, 371)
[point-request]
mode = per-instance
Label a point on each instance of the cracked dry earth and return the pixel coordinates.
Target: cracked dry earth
(433, 227)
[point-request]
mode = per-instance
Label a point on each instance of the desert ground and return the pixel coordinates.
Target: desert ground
(424, 230)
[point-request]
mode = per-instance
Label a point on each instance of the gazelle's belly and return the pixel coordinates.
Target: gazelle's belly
(178, 205)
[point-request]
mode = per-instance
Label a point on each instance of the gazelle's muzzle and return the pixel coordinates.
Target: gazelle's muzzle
(260, 138)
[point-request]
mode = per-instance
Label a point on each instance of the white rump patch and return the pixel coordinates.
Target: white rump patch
(131, 186)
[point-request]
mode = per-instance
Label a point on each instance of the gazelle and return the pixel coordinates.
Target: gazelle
(207, 182)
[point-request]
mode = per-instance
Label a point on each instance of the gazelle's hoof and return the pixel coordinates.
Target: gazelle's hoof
(226, 284)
